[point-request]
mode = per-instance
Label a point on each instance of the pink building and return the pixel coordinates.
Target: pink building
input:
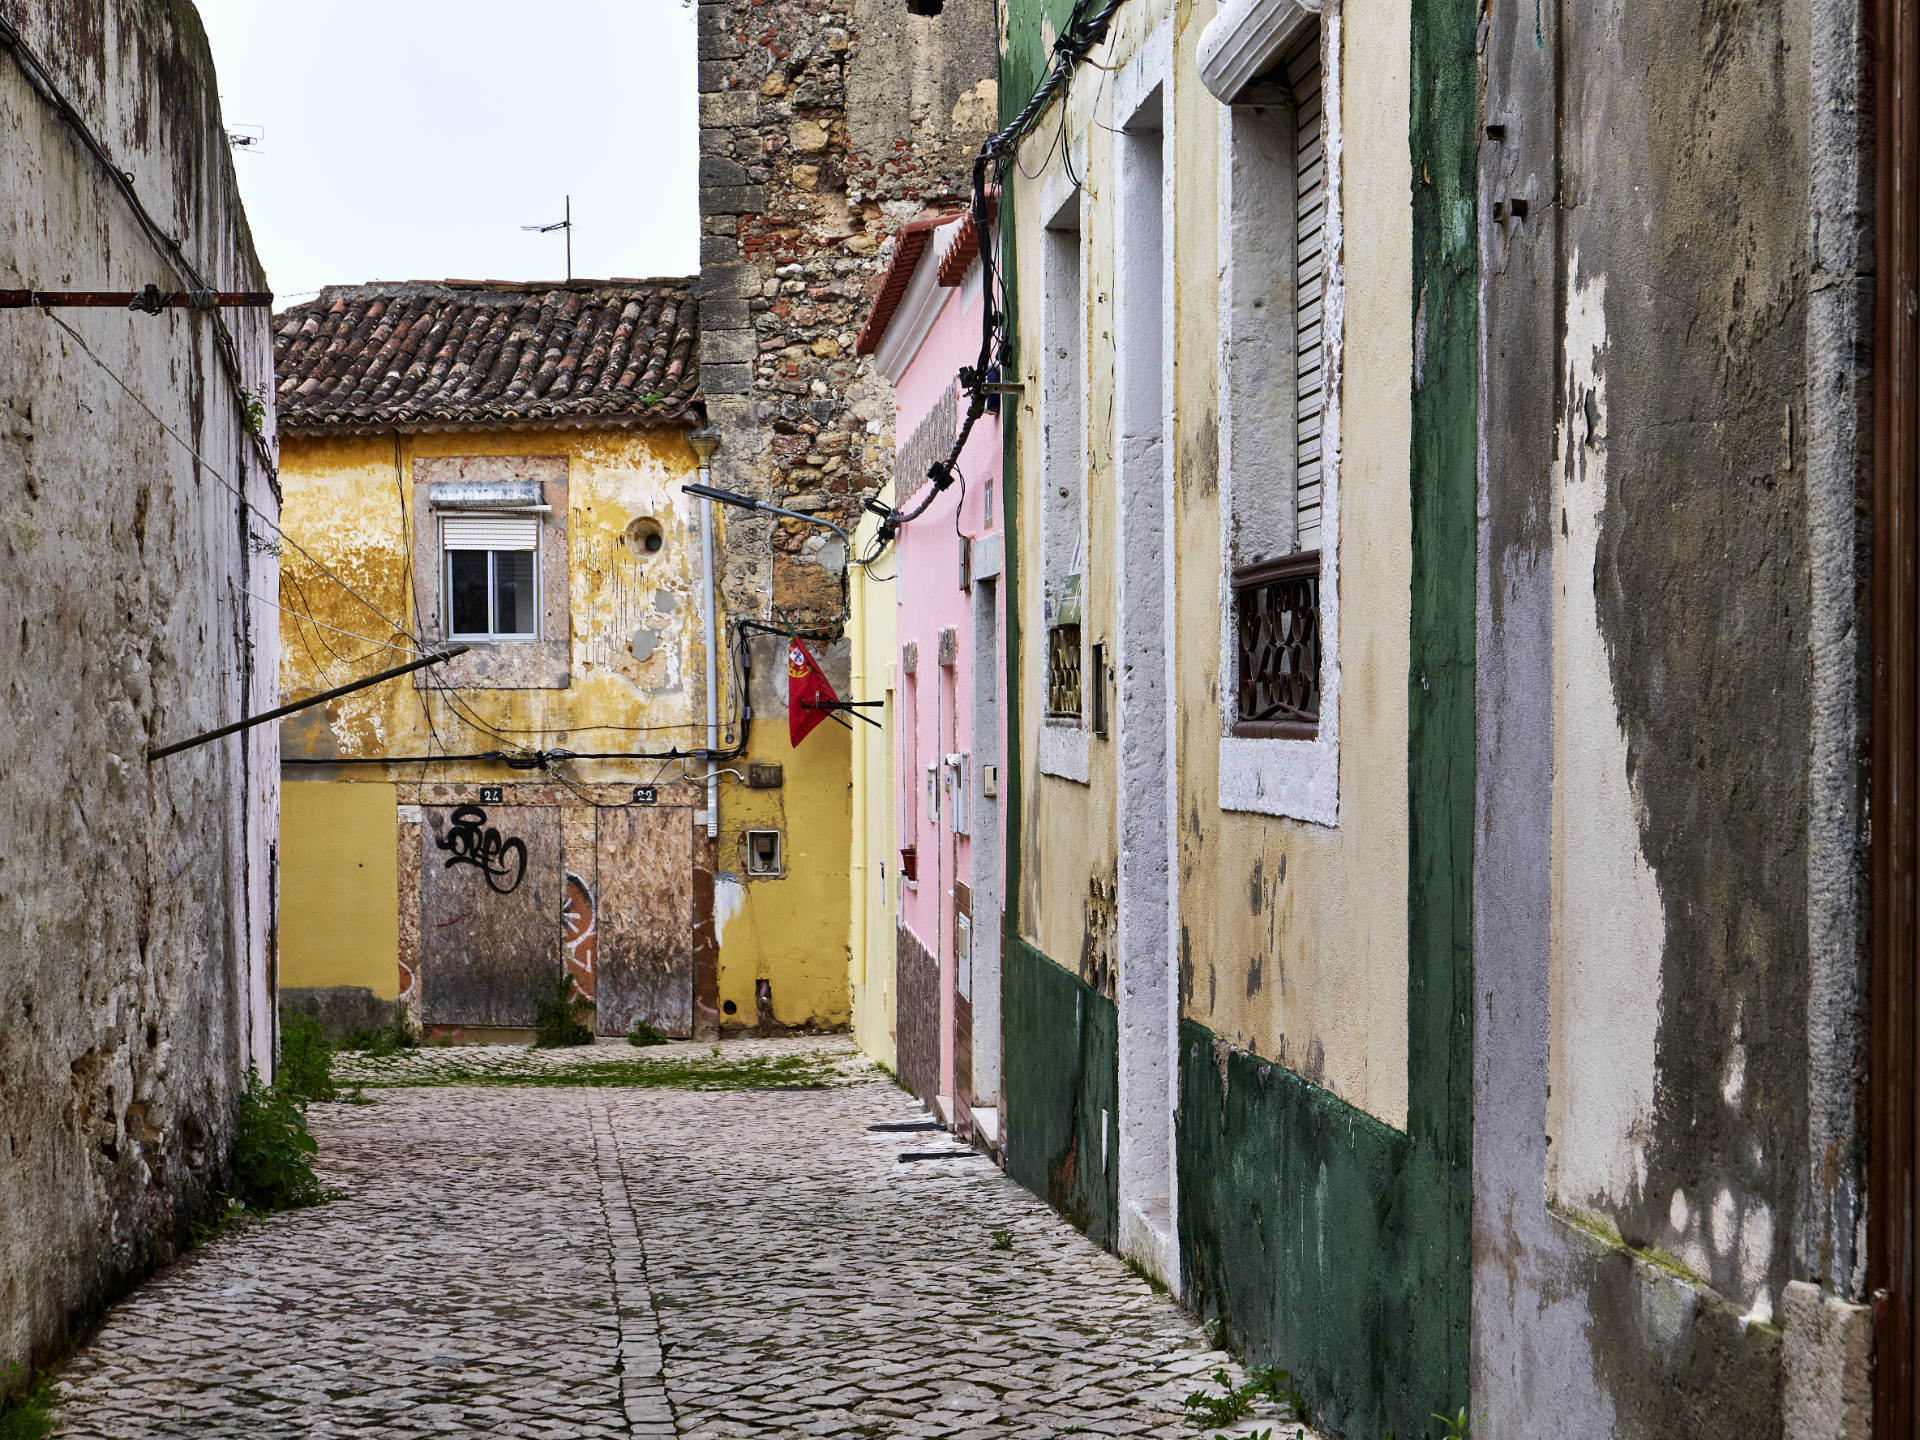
(948, 726)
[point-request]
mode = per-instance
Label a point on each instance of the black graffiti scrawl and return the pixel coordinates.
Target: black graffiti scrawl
(473, 842)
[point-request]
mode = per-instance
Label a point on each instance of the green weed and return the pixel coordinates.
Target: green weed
(1003, 1239)
(306, 1060)
(557, 1019)
(1236, 1402)
(1459, 1427)
(272, 1164)
(477, 1066)
(388, 1039)
(1210, 1412)
(643, 1034)
(26, 1414)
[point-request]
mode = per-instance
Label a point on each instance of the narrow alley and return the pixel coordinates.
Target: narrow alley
(519, 1260)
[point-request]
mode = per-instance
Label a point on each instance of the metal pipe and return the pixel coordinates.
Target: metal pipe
(704, 443)
(438, 658)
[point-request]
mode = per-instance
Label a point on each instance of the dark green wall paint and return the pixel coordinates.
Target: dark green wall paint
(1063, 1081)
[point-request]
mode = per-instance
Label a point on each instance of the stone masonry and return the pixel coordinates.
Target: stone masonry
(825, 125)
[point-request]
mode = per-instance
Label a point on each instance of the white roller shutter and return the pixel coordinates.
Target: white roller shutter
(490, 532)
(1310, 187)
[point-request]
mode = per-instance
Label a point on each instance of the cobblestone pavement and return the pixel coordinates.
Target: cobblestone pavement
(568, 1261)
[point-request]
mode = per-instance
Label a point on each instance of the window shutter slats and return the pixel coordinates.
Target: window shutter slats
(1310, 191)
(490, 532)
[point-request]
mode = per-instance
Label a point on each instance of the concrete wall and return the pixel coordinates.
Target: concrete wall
(136, 899)
(1664, 1145)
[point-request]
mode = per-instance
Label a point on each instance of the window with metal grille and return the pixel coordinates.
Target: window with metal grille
(1274, 363)
(492, 576)
(1063, 671)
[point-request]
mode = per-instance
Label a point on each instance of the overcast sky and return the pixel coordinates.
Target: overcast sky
(411, 139)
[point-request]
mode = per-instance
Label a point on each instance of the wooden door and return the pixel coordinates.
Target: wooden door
(646, 920)
(490, 901)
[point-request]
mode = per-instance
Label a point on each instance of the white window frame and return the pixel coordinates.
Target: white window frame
(493, 632)
(1292, 778)
(1065, 742)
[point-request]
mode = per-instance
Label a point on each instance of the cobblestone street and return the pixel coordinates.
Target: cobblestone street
(570, 1261)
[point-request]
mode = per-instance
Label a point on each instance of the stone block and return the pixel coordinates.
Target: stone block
(717, 250)
(719, 314)
(1828, 1350)
(733, 199)
(729, 107)
(725, 347)
(726, 379)
(713, 76)
(732, 281)
(718, 170)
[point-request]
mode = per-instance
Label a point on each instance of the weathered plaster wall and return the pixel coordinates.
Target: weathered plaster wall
(625, 675)
(135, 899)
(635, 646)
(1643, 971)
(1312, 969)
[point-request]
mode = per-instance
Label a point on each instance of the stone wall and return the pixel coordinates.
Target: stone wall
(824, 126)
(135, 898)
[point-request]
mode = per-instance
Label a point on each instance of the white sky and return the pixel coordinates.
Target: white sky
(411, 139)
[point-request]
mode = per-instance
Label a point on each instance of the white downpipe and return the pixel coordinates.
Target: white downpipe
(710, 619)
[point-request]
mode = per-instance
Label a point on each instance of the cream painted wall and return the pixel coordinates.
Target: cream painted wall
(1293, 935)
(872, 876)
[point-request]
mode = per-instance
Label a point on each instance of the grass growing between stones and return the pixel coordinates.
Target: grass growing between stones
(683, 1071)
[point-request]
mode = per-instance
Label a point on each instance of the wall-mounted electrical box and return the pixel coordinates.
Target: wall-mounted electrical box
(763, 852)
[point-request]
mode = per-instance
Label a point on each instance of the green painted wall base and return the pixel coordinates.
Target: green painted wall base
(1062, 1075)
(1304, 1227)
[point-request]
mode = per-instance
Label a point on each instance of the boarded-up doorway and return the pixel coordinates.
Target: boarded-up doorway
(490, 902)
(646, 920)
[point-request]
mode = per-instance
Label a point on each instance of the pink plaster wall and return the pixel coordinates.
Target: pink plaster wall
(934, 714)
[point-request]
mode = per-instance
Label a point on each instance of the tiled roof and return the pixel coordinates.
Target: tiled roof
(910, 245)
(427, 355)
(961, 253)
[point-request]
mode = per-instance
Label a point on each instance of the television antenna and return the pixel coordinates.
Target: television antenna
(566, 225)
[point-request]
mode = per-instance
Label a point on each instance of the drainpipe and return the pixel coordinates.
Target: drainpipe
(704, 443)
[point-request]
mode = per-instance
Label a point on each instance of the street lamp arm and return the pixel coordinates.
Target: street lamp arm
(747, 502)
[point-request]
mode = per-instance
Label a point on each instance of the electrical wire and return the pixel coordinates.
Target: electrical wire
(41, 79)
(215, 471)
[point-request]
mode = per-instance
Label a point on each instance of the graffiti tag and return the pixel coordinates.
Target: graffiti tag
(474, 842)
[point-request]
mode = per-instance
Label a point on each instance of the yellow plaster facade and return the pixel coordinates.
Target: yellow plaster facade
(871, 942)
(1291, 935)
(634, 686)
(339, 905)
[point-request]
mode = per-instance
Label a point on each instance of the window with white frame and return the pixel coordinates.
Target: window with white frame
(1063, 465)
(491, 574)
(1273, 367)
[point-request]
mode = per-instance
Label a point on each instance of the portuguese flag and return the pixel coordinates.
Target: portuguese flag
(805, 684)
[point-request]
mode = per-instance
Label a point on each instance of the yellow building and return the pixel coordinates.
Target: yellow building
(499, 467)
(871, 940)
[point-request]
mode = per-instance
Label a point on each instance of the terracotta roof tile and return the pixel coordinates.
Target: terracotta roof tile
(908, 247)
(467, 353)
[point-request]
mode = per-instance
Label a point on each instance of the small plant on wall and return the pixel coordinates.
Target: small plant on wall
(558, 1021)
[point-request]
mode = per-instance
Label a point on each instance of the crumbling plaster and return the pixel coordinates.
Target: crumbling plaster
(1665, 870)
(135, 898)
